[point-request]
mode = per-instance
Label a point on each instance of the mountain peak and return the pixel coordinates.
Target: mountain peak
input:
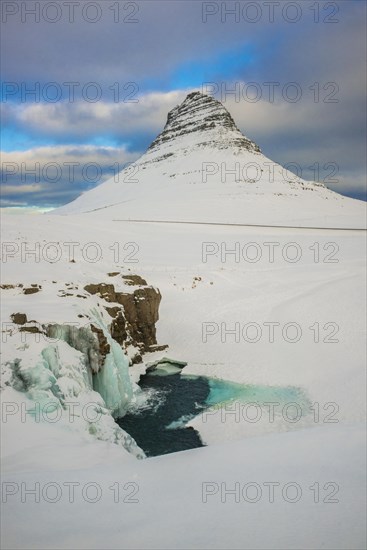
(207, 122)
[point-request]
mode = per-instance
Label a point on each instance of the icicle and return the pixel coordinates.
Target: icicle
(113, 381)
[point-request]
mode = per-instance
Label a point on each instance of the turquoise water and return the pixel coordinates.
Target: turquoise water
(173, 399)
(223, 391)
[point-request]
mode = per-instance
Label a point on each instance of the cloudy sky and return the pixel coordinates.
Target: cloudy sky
(86, 86)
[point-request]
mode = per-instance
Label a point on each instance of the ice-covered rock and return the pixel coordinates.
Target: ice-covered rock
(84, 360)
(59, 382)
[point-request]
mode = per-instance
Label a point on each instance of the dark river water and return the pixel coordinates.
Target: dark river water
(171, 399)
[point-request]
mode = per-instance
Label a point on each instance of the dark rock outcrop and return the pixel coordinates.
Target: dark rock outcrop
(104, 346)
(105, 291)
(198, 115)
(118, 325)
(141, 313)
(134, 322)
(134, 280)
(19, 318)
(32, 289)
(33, 329)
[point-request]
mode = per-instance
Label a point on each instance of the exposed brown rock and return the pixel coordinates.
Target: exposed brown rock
(31, 329)
(113, 311)
(31, 290)
(134, 280)
(141, 312)
(118, 325)
(19, 318)
(106, 291)
(104, 346)
(137, 358)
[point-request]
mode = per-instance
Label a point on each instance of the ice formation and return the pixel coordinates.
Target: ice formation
(60, 382)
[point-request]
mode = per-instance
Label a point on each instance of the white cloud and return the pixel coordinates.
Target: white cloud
(69, 153)
(53, 175)
(82, 119)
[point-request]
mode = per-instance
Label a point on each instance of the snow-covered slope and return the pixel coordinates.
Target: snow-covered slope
(201, 168)
(180, 500)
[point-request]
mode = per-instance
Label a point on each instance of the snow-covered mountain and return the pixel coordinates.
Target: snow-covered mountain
(201, 168)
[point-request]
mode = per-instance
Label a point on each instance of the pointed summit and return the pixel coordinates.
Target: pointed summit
(205, 120)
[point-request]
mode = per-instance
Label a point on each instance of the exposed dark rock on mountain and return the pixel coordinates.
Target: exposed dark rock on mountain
(197, 114)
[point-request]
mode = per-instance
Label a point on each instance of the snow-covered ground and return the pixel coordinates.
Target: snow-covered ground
(181, 498)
